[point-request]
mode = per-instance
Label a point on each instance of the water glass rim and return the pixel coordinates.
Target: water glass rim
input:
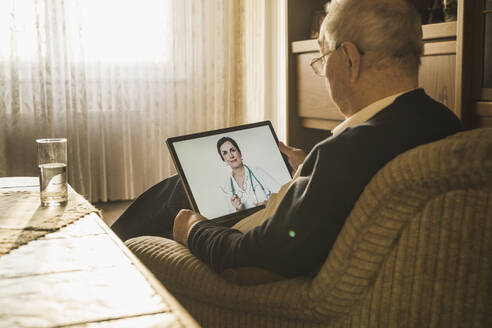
(51, 140)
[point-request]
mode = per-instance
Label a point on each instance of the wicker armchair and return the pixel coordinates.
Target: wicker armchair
(415, 251)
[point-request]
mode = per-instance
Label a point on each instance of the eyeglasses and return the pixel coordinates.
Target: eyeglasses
(318, 63)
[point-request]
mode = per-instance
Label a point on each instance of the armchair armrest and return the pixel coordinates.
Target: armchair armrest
(191, 280)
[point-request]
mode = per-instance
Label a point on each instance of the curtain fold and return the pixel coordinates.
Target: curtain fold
(117, 78)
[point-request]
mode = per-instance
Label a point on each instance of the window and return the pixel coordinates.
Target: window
(115, 31)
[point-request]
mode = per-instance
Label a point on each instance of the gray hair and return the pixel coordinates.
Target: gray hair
(387, 31)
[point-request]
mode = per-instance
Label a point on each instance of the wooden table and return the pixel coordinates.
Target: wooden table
(81, 276)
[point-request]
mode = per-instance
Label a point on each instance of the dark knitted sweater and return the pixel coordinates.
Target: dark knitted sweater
(297, 239)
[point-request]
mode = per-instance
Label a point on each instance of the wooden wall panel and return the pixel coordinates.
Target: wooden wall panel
(482, 114)
(482, 122)
(313, 98)
(299, 19)
(437, 74)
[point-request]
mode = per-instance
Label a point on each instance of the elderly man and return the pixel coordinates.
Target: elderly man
(370, 54)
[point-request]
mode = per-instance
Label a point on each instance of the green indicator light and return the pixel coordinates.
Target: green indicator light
(292, 233)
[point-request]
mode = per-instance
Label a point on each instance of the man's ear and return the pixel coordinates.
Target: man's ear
(352, 59)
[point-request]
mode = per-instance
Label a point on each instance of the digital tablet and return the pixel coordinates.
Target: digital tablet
(230, 173)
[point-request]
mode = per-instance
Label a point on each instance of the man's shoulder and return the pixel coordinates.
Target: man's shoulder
(418, 105)
(347, 136)
(339, 148)
(412, 119)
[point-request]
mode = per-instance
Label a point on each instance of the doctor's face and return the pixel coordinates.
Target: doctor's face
(231, 155)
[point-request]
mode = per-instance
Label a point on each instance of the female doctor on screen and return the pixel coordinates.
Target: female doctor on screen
(247, 186)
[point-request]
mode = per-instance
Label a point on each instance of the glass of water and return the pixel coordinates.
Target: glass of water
(52, 162)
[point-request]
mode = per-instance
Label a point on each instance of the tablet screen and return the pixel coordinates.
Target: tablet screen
(229, 171)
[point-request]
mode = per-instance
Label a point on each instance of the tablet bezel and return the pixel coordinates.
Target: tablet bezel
(232, 217)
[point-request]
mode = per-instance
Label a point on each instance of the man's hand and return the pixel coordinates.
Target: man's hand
(295, 156)
(183, 223)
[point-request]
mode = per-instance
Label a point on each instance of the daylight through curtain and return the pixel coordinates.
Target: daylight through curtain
(118, 77)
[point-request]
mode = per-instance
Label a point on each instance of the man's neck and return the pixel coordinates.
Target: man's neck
(375, 89)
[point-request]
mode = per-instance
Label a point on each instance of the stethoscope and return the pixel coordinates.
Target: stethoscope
(251, 176)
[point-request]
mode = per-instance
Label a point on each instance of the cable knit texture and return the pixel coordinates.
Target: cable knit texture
(416, 251)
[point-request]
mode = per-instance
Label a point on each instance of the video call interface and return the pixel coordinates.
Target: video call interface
(233, 171)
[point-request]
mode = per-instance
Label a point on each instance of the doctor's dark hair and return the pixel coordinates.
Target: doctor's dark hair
(223, 140)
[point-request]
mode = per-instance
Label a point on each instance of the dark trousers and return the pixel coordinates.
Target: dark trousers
(153, 212)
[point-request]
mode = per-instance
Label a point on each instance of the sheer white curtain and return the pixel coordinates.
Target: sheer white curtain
(118, 77)
(263, 63)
